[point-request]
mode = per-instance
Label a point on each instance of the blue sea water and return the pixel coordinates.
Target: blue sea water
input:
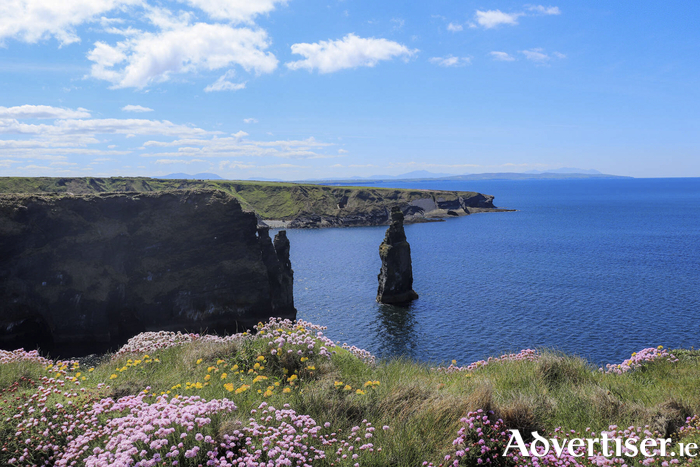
(597, 268)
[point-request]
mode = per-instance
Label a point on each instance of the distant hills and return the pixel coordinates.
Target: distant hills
(563, 173)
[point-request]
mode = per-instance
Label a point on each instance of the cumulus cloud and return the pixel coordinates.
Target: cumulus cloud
(349, 52)
(42, 111)
(451, 61)
(454, 27)
(549, 10)
(34, 20)
(492, 18)
(538, 55)
(223, 83)
(501, 56)
(136, 108)
(237, 11)
(183, 48)
(67, 142)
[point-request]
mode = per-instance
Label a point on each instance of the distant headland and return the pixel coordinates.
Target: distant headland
(284, 205)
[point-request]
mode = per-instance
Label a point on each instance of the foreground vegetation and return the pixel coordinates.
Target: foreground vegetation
(289, 396)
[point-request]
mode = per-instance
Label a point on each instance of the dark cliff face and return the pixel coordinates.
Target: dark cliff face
(101, 268)
(396, 274)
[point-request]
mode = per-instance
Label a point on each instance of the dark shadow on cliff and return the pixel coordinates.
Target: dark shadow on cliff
(396, 330)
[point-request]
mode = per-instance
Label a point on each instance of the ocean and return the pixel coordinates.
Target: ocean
(597, 267)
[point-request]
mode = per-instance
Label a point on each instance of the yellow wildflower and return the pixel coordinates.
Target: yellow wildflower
(311, 367)
(286, 390)
(260, 358)
(219, 362)
(228, 387)
(256, 366)
(223, 375)
(259, 378)
(268, 393)
(234, 367)
(347, 388)
(199, 361)
(91, 370)
(359, 391)
(113, 376)
(303, 359)
(207, 377)
(292, 378)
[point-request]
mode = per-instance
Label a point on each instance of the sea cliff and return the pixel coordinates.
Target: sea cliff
(288, 205)
(99, 268)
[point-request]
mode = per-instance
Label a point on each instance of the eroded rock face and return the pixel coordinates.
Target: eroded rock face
(101, 268)
(396, 274)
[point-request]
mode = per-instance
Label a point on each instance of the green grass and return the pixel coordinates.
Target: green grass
(423, 407)
(270, 200)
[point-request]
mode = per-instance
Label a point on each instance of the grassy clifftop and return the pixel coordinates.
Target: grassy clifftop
(270, 200)
(289, 393)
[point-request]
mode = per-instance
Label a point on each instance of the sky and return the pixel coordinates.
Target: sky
(303, 89)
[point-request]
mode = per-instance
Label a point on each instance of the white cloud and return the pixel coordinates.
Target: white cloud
(350, 52)
(182, 48)
(501, 56)
(42, 111)
(136, 108)
(492, 18)
(250, 120)
(237, 11)
(34, 20)
(222, 84)
(451, 61)
(398, 23)
(236, 146)
(454, 27)
(538, 55)
(550, 10)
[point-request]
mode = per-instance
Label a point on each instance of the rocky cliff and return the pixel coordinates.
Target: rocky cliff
(291, 205)
(396, 274)
(102, 267)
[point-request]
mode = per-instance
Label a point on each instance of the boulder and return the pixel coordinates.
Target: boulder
(101, 268)
(396, 274)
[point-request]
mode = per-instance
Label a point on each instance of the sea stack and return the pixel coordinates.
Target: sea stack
(396, 275)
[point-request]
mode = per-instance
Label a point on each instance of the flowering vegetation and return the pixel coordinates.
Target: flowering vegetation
(638, 359)
(286, 395)
(527, 355)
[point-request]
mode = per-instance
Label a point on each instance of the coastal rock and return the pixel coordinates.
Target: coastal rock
(101, 268)
(396, 274)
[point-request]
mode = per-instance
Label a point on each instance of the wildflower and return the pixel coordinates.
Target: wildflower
(311, 367)
(291, 378)
(347, 388)
(303, 359)
(286, 390)
(199, 361)
(113, 376)
(219, 362)
(360, 392)
(260, 358)
(228, 387)
(268, 393)
(223, 375)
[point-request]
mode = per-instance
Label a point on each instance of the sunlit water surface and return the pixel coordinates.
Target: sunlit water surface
(598, 268)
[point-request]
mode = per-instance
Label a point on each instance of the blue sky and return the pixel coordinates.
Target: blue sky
(306, 89)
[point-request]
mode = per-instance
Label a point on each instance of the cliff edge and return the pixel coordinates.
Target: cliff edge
(103, 267)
